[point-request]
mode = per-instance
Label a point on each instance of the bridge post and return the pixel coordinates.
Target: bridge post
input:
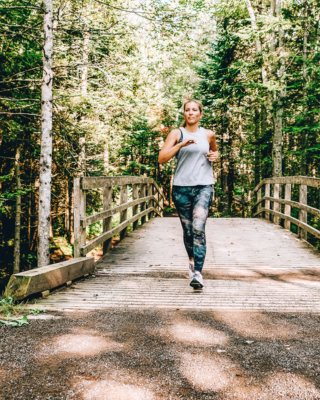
(79, 212)
(143, 205)
(159, 197)
(107, 222)
(259, 198)
(135, 195)
(267, 202)
(287, 208)
(150, 202)
(303, 193)
(123, 214)
(161, 202)
(276, 205)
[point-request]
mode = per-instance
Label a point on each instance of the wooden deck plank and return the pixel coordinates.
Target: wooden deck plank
(250, 264)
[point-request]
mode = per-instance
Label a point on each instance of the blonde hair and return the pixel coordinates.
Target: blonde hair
(199, 104)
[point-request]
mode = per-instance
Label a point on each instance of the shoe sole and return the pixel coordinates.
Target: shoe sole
(195, 284)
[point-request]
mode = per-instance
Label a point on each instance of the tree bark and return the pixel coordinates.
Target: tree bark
(106, 158)
(257, 155)
(304, 164)
(258, 43)
(82, 156)
(278, 104)
(30, 207)
(85, 57)
(277, 136)
(231, 173)
(84, 87)
(276, 7)
(17, 226)
(46, 139)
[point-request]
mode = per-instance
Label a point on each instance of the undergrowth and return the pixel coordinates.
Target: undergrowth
(9, 306)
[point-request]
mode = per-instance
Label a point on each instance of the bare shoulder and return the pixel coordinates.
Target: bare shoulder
(210, 134)
(175, 131)
(175, 134)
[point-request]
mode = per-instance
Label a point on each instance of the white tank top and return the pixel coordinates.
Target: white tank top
(193, 167)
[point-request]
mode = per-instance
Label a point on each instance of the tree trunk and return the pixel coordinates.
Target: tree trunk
(277, 136)
(46, 139)
(71, 197)
(85, 57)
(278, 105)
(82, 156)
(231, 174)
(30, 207)
(263, 132)
(257, 155)
(258, 43)
(304, 164)
(171, 204)
(17, 226)
(106, 158)
(84, 86)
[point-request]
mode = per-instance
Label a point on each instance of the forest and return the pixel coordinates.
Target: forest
(92, 88)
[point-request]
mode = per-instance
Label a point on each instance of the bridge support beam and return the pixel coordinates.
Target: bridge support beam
(267, 202)
(303, 193)
(150, 202)
(135, 209)
(107, 222)
(276, 205)
(144, 204)
(124, 213)
(258, 199)
(287, 207)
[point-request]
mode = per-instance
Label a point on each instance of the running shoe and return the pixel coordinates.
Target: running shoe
(197, 280)
(191, 269)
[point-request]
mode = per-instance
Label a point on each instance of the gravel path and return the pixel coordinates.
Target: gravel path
(162, 355)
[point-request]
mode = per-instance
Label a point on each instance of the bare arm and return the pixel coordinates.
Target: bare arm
(171, 147)
(213, 154)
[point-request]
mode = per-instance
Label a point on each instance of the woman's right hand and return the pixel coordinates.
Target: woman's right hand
(187, 142)
(171, 146)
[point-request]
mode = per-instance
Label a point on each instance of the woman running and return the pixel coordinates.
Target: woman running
(195, 148)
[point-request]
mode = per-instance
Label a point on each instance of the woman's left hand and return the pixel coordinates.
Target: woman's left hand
(212, 155)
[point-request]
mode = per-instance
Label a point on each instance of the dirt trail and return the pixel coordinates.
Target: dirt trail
(162, 355)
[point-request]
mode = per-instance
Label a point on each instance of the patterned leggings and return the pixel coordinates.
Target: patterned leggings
(192, 204)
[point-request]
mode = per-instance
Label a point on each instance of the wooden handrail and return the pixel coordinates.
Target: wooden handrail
(94, 182)
(294, 204)
(304, 209)
(100, 239)
(151, 202)
(105, 214)
(294, 180)
(302, 225)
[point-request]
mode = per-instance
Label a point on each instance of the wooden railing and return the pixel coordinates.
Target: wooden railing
(285, 204)
(145, 192)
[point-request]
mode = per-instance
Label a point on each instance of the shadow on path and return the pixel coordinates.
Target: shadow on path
(130, 354)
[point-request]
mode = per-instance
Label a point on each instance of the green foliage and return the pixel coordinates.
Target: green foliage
(15, 322)
(36, 311)
(139, 72)
(9, 306)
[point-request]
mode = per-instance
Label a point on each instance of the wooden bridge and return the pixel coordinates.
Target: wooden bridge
(251, 264)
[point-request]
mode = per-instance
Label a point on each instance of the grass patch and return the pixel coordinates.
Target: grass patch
(15, 322)
(9, 306)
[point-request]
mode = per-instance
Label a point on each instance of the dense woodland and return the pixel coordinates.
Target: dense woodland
(120, 71)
